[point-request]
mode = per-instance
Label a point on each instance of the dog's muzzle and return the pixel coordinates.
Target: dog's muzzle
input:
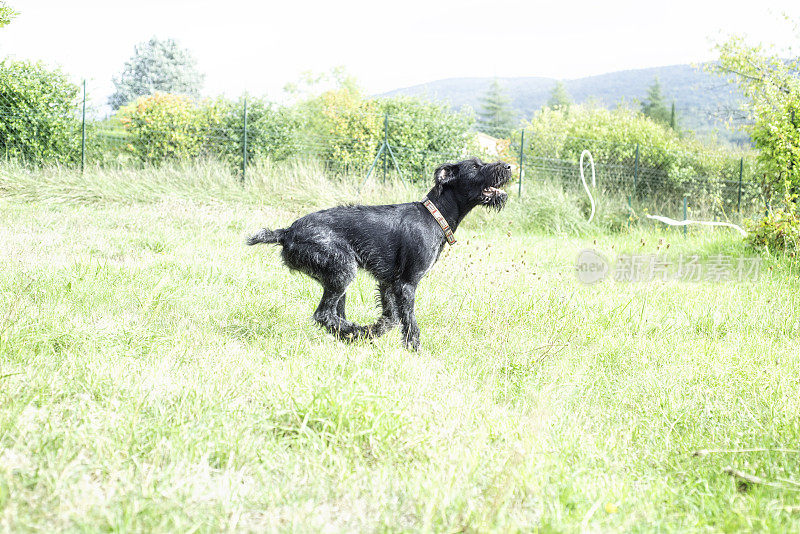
(492, 195)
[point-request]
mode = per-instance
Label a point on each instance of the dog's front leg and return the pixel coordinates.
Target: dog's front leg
(340, 307)
(404, 298)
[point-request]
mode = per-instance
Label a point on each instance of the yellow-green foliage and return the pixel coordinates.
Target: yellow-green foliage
(346, 129)
(344, 125)
(165, 127)
(427, 134)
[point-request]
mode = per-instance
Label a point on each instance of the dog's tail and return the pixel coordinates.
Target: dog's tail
(266, 235)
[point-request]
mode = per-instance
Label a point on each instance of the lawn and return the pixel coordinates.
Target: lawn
(158, 375)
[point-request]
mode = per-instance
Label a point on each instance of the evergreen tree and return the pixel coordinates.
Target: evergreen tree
(156, 66)
(673, 118)
(559, 98)
(495, 116)
(654, 106)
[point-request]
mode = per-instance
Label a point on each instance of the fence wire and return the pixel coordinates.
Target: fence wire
(647, 179)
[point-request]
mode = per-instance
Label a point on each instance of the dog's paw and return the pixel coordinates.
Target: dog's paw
(412, 345)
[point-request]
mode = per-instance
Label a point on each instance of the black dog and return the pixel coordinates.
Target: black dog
(397, 244)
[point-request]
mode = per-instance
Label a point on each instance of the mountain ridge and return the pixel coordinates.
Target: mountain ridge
(703, 100)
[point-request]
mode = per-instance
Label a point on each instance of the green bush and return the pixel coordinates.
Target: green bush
(346, 130)
(340, 127)
(779, 230)
(168, 127)
(426, 134)
(272, 130)
(38, 107)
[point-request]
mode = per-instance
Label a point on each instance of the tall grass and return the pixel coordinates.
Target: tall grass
(296, 186)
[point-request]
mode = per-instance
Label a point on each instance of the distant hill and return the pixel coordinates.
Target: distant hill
(702, 100)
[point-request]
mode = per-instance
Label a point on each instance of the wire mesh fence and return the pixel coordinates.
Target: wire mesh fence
(368, 142)
(646, 179)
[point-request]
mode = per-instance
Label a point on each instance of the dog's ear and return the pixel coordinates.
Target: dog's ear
(444, 174)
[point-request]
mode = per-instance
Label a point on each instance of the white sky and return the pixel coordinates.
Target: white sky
(259, 46)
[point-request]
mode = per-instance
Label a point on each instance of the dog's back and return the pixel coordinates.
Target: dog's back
(381, 239)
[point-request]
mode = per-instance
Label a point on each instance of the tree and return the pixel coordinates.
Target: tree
(673, 118)
(495, 117)
(311, 84)
(7, 14)
(559, 98)
(156, 65)
(771, 86)
(654, 106)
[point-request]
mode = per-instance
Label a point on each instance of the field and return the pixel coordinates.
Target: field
(157, 375)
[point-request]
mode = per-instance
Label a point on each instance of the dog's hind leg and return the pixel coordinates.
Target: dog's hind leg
(332, 263)
(331, 310)
(327, 315)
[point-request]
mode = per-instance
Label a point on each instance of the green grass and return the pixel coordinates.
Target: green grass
(156, 374)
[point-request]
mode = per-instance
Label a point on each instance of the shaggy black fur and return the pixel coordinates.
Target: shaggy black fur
(397, 244)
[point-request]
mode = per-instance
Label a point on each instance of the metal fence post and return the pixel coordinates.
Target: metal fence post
(636, 169)
(791, 160)
(521, 160)
(685, 216)
(385, 140)
(83, 130)
(739, 200)
(244, 142)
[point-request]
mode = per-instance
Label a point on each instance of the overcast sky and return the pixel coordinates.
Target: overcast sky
(260, 46)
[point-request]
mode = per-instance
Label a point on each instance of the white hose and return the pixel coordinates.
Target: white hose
(665, 220)
(673, 222)
(594, 182)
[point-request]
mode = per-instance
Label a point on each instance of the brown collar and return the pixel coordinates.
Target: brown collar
(448, 233)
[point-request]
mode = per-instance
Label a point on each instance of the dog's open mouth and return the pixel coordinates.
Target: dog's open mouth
(494, 197)
(492, 191)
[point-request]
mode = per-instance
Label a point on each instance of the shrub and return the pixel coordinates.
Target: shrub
(38, 109)
(771, 86)
(341, 127)
(426, 134)
(164, 127)
(777, 231)
(346, 130)
(271, 129)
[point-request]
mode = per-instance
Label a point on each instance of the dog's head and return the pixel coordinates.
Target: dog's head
(475, 182)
